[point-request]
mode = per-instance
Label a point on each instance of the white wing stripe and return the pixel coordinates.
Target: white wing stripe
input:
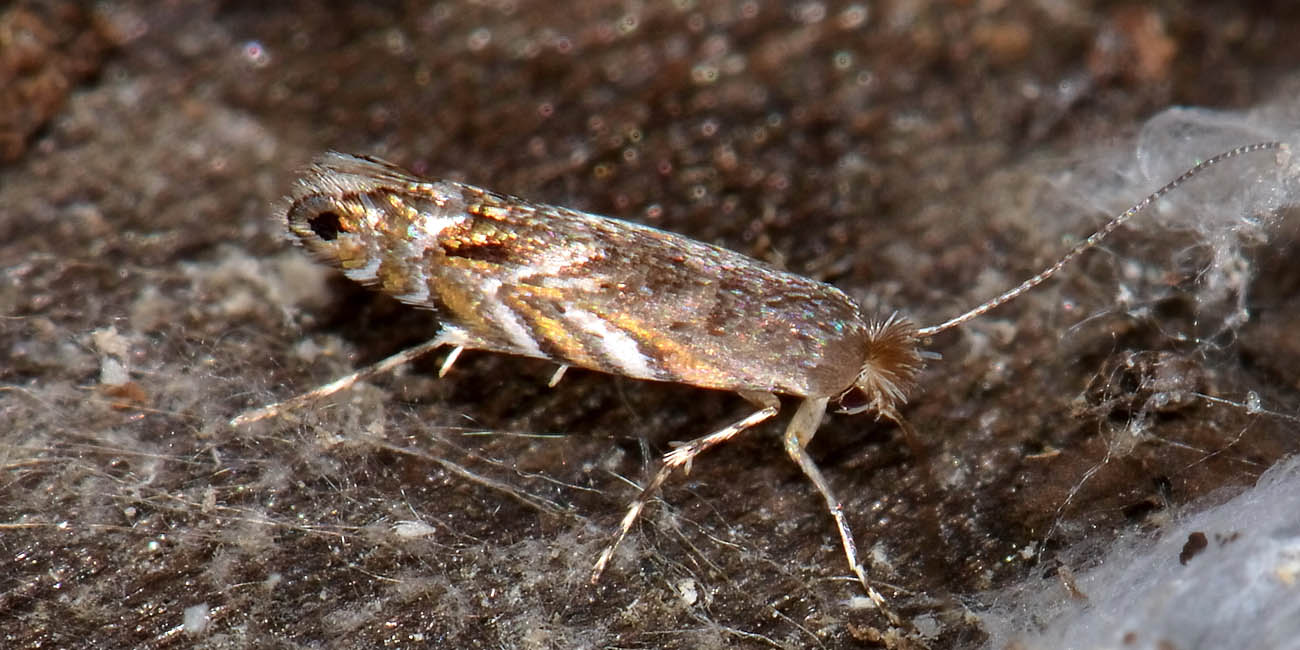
(622, 350)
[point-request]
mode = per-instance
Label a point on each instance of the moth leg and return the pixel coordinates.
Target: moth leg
(450, 360)
(797, 435)
(682, 456)
(559, 374)
(342, 383)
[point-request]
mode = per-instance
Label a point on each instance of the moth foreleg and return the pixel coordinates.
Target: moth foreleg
(342, 383)
(678, 457)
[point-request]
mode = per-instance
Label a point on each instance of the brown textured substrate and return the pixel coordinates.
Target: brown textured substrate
(905, 151)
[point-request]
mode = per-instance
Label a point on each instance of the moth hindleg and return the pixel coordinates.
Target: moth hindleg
(797, 435)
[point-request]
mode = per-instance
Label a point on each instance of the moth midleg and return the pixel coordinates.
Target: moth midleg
(800, 430)
(683, 455)
(342, 383)
(450, 360)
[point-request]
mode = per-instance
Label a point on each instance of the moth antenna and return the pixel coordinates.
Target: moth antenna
(1095, 238)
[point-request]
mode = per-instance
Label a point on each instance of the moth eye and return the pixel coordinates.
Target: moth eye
(317, 216)
(326, 225)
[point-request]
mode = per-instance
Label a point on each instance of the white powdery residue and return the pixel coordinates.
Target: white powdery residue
(196, 619)
(1242, 590)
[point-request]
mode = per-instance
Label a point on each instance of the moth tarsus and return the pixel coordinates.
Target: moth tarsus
(512, 276)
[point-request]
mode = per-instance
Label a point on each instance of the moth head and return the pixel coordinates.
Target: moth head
(338, 210)
(889, 371)
(331, 228)
(320, 217)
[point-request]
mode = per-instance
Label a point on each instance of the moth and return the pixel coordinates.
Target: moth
(511, 276)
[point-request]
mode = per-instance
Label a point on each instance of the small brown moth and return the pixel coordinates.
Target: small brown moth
(583, 290)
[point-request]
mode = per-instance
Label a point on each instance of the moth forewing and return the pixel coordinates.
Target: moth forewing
(576, 288)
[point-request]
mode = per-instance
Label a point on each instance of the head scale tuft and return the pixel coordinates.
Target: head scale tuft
(889, 369)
